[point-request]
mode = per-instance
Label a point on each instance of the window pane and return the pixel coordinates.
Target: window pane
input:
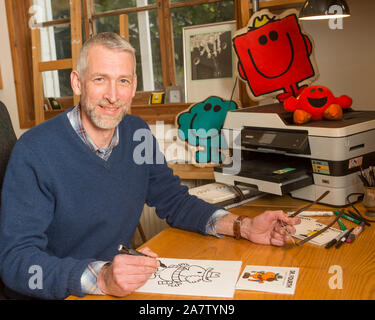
(56, 84)
(144, 37)
(60, 9)
(55, 42)
(196, 15)
(108, 5)
(48, 10)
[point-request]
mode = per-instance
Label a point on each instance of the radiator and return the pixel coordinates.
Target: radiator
(151, 223)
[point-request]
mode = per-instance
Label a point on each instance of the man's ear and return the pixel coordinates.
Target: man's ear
(75, 82)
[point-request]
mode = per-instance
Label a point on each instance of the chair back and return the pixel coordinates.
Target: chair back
(7, 141)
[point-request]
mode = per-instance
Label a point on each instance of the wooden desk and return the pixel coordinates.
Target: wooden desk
(357, 260)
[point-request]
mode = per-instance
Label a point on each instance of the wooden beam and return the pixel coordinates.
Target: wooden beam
(242, 12)
(124, 11)
(278, 3)
(76, 34)
(55, 65)
(37, 77)
(168, 64)
(20, 44)
(88, 21)
(192, 3)
(124, 26)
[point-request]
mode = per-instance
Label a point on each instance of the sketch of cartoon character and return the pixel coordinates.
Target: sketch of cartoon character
(175, 275)
(261, 276)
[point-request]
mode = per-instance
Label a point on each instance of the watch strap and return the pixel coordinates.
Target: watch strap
(237, 227)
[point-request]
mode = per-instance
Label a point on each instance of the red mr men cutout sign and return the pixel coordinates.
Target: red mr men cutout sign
(274, 56)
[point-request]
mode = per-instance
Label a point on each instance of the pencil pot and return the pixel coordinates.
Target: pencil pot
(369, 198)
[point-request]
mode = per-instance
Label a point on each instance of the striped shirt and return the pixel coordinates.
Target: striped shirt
(74, 117)
(89, 277)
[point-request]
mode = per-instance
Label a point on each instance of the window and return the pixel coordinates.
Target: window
(55, 43)
(143, 35)
(154, 28)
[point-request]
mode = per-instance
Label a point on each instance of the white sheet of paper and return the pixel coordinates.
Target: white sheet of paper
(309, 226)
(268, 279)
(209, 278)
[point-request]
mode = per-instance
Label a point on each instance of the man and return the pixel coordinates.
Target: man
(73, 191)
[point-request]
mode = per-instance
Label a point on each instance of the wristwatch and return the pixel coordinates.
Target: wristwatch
(237, 227)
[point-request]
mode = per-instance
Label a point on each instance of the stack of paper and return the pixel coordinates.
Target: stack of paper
(216, 192)
(309, 226)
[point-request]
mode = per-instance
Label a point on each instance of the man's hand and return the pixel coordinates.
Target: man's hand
(127, 273)
(265, 228)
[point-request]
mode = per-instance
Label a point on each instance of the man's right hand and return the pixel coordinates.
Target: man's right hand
(127, 273)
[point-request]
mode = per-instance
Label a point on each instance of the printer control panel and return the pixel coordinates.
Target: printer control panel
(290, 141)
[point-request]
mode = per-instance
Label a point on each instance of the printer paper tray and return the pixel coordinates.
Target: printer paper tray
(274, 177)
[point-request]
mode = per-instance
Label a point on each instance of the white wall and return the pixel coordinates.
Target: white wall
(8, 93)
(346, 57)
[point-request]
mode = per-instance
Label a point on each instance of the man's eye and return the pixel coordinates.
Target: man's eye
(99, 79)
(125, 81)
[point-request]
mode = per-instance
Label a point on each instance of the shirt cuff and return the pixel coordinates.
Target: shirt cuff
(211, 224)
(89, 278)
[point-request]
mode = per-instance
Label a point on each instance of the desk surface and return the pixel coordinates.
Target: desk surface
(357, 260)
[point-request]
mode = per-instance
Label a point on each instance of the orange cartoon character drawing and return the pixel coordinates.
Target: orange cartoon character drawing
(261, 276)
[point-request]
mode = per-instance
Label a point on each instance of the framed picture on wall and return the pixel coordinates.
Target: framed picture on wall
(209, 61)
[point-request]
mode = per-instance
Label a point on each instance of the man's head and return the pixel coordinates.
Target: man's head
(105, 79)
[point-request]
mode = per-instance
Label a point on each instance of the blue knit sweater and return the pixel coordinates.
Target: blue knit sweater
(64, 207)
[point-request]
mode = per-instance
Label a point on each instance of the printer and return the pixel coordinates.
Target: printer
(279, 157)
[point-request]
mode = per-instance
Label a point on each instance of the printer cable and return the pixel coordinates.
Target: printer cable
(359, 215)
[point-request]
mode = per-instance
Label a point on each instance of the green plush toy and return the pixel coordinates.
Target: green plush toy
(201, 126)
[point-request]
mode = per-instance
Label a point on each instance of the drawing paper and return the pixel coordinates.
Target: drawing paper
(309, 226)
(268, 279)
(210, 278)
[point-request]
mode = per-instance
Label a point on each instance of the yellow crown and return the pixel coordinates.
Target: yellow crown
(260, 22)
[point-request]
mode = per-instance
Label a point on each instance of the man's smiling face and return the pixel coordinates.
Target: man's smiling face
(108, 86)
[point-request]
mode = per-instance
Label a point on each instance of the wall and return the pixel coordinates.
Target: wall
(346, 57)
(8, 93)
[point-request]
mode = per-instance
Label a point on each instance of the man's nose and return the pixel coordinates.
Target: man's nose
(111, 94)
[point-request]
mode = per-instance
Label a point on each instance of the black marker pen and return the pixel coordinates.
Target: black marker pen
(132, 252)
(343, 238)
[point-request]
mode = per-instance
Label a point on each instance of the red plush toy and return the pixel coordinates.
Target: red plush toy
(316, 103)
